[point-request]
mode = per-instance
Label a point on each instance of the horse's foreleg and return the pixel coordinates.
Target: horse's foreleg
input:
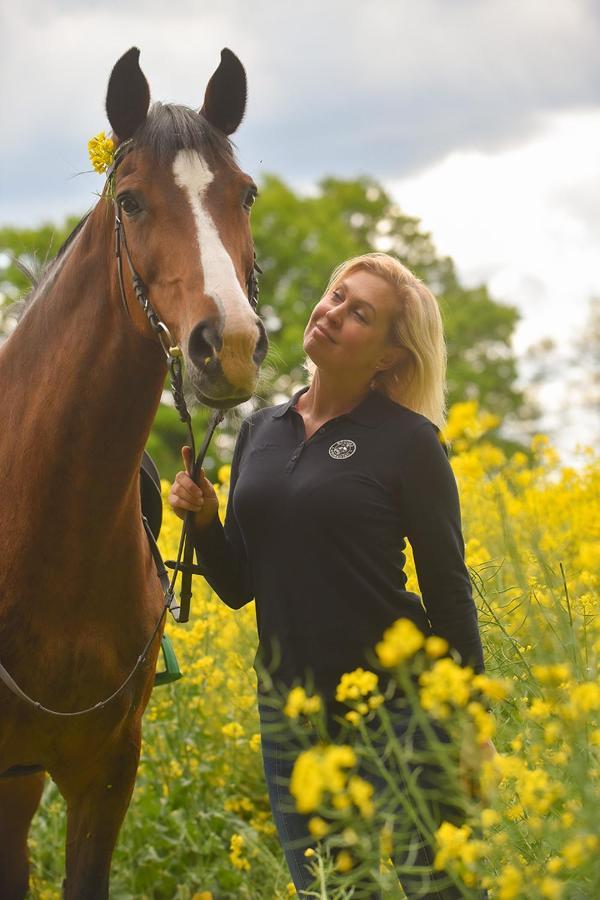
(96, 807)
(19, 799)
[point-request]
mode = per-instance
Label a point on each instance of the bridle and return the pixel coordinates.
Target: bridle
(174, 356)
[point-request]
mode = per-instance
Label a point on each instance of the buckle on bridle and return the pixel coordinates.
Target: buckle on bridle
(166, 339)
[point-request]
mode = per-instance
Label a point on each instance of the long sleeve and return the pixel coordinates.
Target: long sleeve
(434, 530)
(220, 548)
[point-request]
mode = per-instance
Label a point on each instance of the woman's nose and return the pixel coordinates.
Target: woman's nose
(333, 315)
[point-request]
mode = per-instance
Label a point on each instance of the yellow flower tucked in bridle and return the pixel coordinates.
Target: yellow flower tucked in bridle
(101, 151)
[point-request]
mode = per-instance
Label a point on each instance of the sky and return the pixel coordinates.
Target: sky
(480, 117)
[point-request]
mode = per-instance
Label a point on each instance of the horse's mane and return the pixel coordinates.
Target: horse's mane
(36, 271)
(168, 128)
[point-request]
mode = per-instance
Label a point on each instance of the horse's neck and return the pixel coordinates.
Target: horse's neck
(80, 389)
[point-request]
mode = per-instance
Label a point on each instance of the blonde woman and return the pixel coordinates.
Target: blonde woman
(324, 490)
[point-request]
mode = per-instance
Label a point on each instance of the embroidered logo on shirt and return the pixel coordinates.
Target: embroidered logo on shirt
(342, 449)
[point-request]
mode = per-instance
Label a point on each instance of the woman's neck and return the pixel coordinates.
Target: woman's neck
(329, 397)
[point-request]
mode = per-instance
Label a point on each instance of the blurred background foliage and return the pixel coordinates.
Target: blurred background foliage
(299, 239)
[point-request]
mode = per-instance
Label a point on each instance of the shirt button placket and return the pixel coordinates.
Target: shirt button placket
(294, 458)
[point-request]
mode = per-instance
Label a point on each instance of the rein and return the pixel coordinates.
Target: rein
(174, 357)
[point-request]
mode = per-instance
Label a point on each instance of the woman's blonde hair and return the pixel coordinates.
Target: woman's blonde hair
(418, 381)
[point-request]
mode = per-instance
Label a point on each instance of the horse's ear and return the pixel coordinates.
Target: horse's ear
(225, 96)
(128, 95)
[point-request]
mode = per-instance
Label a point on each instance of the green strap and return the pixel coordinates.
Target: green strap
(171, 672)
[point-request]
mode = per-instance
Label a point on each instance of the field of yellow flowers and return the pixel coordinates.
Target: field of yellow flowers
(199, 825)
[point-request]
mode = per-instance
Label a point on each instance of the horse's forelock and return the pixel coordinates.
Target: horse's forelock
(170, 128)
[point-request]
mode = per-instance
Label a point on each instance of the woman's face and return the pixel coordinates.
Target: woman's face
(349, 328)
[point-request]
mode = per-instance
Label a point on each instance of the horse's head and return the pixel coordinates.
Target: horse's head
(184, 204)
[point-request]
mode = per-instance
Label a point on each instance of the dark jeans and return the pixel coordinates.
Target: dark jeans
(280, 747)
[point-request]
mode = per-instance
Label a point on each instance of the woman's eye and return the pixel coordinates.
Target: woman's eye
(129, 204)
(359, 315)
(249, 199)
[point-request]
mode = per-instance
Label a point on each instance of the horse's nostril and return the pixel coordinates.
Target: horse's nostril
(262, 344)
(204, 342)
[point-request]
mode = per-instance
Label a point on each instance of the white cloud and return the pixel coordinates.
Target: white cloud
(526, 222)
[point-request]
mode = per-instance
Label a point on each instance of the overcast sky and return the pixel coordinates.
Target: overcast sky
(482, 117)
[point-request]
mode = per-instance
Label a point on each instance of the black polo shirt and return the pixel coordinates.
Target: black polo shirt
(315, 531)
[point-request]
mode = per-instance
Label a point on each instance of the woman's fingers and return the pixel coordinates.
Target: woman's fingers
(186, 455)
(203, 482)
(186, 487)
(185, 494)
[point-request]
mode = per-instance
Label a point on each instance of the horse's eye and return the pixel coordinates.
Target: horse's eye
(129, 204)
(249, 198)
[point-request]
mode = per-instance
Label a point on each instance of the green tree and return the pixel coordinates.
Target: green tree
(29, 247)
(299, 241)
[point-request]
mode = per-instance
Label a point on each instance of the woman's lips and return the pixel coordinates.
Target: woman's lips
(322, 332)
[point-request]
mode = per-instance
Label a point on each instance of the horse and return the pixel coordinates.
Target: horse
(83, 374)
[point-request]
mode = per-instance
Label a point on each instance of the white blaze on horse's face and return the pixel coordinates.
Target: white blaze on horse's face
(238, 321)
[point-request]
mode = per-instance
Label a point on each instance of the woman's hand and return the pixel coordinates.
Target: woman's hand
(201, 498)
(471, 759)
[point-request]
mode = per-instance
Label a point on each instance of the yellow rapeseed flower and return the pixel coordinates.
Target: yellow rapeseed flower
(343, 861)
(356, 684)
(236, 850)
(449, 838)
(101, 151)
(400, 642)
(585, 697)
(232, 730)
(224, 474)
(551, 888)
(539, 709)
(510, 883)
(490, 817)
(484, 721)
(361, 793)
(494, 688)
(436, 646)
(318, 770)
(298, 703)
(551, 674)
(318, 827)
(578, 850)
(445, 685)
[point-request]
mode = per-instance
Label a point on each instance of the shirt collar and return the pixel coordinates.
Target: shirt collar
(371, 411)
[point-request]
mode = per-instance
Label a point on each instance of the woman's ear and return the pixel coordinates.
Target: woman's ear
(391, 358)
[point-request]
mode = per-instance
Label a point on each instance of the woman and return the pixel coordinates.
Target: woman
(324, 490)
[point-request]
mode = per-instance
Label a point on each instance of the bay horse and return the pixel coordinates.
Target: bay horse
(82, 378)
